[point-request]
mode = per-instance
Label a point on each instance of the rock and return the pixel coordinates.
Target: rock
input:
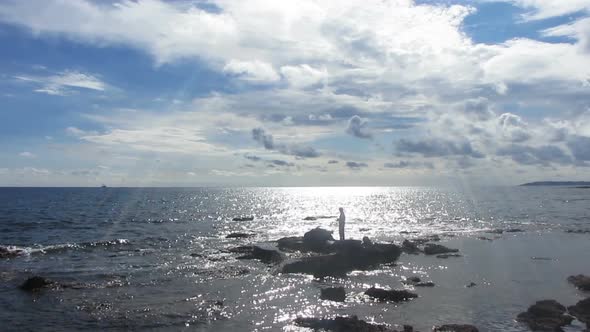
(495, 231)
(430, 238)
(310, 218)
(578, 231)
(243, 219)
(456, 328)
(317, 239)
(333, 294)
(410, 247)
(367, 241)
(484, 238)
(36, 283)
(350, 255)
(390, 295)
(413, 280)
(238, 235)
(267, 256)
(581, 311)
(445, 256)
(10, 252)
(425, 284)
(340, 324)
(471, 284)
(436, 249)
(513, 230)
(542, 258)
(580, 281)
(546, 315)
(292, 243)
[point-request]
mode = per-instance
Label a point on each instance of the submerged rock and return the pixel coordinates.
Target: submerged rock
(456, 328)
(484, 238)
(267, 256)
(350, 255)
(580, 281)
(243, 219)
(581, 311)
(546, 315)
(337, 294)
(578, 231)
(445, 256)
(238, 235)
(471, 284)
(341, 324)
(390, 295)
(35, 284)
(436, 249)
(417, 282)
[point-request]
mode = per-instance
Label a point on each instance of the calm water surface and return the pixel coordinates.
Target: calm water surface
(129, 252)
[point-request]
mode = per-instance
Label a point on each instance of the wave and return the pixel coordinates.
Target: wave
(14, 251)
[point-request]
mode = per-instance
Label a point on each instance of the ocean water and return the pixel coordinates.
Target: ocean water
(156, 259)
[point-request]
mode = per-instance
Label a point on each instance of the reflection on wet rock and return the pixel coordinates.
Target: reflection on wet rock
(390, 295)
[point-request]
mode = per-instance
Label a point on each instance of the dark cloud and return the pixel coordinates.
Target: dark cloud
(299, 150)
(409, 164)
(357, 127)
(478, 108)
(437, 148)
(253, 158)
(355, 165)
(333, 161)
(580, 147)
(528, 155)
(281, 163)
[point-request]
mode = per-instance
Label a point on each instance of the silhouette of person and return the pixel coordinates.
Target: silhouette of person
(341, 222)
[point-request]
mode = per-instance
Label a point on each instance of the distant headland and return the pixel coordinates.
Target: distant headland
(559, 183)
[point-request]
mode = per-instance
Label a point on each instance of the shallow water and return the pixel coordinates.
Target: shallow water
(129, 253)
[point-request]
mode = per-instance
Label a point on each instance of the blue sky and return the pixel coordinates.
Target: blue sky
(190, 93)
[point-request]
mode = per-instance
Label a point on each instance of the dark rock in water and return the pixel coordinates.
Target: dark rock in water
(495, 231)
(581, 311)
(292, 243)
(456, 328)
(317, 239)
(471, 284)
(546, 315)
(35, 284)
(333, 294)
(243, 219)
(436, 249)
(578, 231)
(239, 235)
(580, 281)
(408, 232)
(340, 324)
(513, 230)
(445, 256)
(410, 247)
(350, 255)
(390, 295)
(367, 241)
(267, 256)
(413, 280)
(310, 218)
(484, 238)
(9, 253)
(542, 258)
(430, 238)
(425, 284)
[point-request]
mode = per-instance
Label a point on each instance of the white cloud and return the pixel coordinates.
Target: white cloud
(27, 154)
(74, 131)
(542, 9)
(61, 83)
(303, 75)
(256, 71)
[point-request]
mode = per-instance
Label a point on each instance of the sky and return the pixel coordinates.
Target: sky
(293, 93)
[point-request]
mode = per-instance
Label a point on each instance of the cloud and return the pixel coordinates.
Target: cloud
(295, 149)
(436, 148)
(61, 83)
(580, 147)
(74, 131)
(256, 71)
(278, 162)
(357, 127)
(303, 75)
(513, 127)
(356, 165)
(332, 161)
(253, 158)
(27, 154)
(528, 155)
(542, 9)
(409, 164)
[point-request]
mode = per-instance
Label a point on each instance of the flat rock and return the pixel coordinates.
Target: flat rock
(267, 256)
(546, 315)
(445, 256)
(580, 281)
(36, 283)
(341, 324)
(337, 294)
(238, 235)
(578, 231)
(243, 219)
(350, 255)
(390, 295)
(581, 311)
(410, 247)
(456, 328)
(437, 249)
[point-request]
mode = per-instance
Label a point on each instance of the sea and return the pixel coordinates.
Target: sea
(157, 259)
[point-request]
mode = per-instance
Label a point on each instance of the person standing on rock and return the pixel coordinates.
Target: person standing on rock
(341, 222)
